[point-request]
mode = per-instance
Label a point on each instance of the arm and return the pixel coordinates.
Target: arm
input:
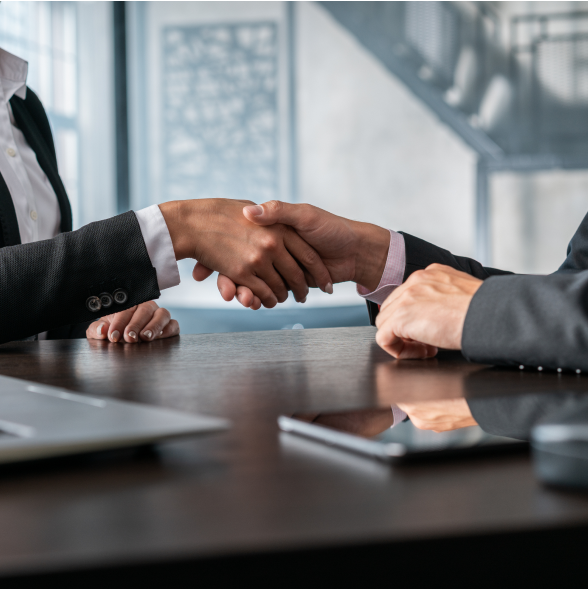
(50, 283)
(529, 320)
(515, 416)
(47, 284)
(420, 254)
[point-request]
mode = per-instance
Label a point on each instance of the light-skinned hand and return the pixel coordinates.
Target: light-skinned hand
(427, 312)
(440, 415)
(142, 323)
(351, 251)
(268, 261)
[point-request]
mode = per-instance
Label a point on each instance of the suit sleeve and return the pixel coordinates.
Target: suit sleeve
(533, 320)
(45, 285)
(514, 416)
(420, 254)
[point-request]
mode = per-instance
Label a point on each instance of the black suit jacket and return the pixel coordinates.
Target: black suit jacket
(44, 286)
(518, 319)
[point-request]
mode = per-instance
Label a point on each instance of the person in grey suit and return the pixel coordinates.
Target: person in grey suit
(441, 300)
(422, 297)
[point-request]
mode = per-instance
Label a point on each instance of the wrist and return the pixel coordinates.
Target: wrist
(372, 254)
(176, 214)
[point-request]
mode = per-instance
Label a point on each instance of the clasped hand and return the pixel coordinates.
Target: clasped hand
(427, 312)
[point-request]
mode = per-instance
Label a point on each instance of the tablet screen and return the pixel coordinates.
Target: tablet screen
(374, 425)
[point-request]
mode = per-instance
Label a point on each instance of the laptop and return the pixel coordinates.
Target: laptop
(38, 421)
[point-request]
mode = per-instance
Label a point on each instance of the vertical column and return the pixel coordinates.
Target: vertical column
(292, 103)
(120, 107)
(483, 237)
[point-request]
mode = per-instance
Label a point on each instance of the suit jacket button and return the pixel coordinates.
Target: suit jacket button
(93, 304)
(120, 296)
(106, 300)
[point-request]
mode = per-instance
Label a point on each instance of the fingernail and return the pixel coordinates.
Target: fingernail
(303, 300)
(148, 334)
(239, 298)
(329, 288)
(132, 335)
(161, 333)
(99, 330)
(255, 211)
(114, 336)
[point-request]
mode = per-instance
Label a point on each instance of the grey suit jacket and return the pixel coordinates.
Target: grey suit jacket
(520, 319)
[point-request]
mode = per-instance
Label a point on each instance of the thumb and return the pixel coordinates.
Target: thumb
(276, 211)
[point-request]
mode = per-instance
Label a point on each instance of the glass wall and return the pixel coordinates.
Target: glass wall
(302, 102)
(68, 49)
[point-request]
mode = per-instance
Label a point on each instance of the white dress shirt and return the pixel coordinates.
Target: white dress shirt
(35, 202)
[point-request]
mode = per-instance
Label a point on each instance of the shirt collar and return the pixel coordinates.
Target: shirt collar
(13, 75)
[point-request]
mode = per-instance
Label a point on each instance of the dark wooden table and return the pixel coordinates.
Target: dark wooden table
(256, 505)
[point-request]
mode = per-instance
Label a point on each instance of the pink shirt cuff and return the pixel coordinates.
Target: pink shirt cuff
(399, 415)
(393, 272)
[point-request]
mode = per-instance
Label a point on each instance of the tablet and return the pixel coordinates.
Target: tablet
(369, 431)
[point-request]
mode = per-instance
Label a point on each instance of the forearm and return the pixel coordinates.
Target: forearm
(420, 254)
(47, 284)
(515, 416)
(529, 321)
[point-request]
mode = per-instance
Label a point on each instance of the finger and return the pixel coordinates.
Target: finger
(309, 259)
(141, 317)
(98, 329)
(274, 281)
(201, 272)
(417, 351)
(172, 329)
(245, 296)
(118, 322)
(389, 342)
(226, 287)
(156, 325)
(261, 290)
(292, 274)
(309, 279)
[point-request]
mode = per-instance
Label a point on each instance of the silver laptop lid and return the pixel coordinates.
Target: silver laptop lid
(38, 421)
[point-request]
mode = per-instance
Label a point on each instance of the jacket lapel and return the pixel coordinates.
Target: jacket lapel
(45, 158)
(8, 221)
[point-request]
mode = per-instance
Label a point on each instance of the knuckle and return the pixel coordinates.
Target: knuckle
(254, 259)
(269, 242)
(273, 206)
(309, 258)
(435, 266)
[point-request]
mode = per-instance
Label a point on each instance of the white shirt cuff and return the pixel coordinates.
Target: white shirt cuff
(393, 272)
(159, 246)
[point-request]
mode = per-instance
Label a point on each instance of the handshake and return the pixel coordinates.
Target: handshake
(263, 251)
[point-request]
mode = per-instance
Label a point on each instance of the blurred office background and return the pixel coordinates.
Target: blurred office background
(464, 123)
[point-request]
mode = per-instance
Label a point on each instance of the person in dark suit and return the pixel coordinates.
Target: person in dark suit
(57, 282)
(422, 297)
